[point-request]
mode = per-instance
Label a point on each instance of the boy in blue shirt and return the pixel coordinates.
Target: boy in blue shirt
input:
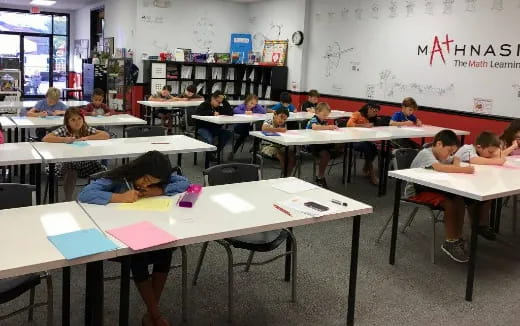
(285, 101)
(51, 105)
(406, 116)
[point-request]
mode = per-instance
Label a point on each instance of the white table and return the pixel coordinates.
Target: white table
(69, 103)
(22, 154)
(7, 123)
(487, 183)
(26, 249)
(117, 148)
(419, 132)
(229, 205)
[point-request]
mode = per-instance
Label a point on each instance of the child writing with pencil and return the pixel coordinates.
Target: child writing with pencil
(277, 124)
(312, 99)
(285, 101)
(148, 175)
(406, 117)
(323, 152)
(75, 129)
(250, 106)
(50, 106)
(97, 107)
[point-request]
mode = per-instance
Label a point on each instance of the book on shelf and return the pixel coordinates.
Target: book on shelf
(172, 72)
(175, 86)
(268, 92)
(200, 88)
(185, 84)
(243, 89)
(216, 87)
(231, 74)
(222, 57)
(229, 88)
(200, 72)
(252, 75)
(186, 72)
(216, 72)
(251, 89)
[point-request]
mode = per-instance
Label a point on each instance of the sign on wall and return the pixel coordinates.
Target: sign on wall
(275, 52)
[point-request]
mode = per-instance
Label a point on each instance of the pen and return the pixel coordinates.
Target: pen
(337, 202)
(282, 210)
(128, 185)
(159, 143)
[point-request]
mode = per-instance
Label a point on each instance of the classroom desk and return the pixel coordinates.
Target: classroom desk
(25, 123)
(8, 125)
(23, 154)
(22, 254)
(487, 183)
(53, 153)
(228, 205)
(68, 103)
(313, 137)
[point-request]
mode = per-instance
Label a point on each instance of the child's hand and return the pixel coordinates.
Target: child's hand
(332, 127)
(249, 112)
(130, 196)
(107, 114)
(367, 125)
(43, 114)
(500, 160)
(468, 169)
(69, 140)
(216, 113)
(418, 123)
(83, 138)
(281, 129)
(408, 123)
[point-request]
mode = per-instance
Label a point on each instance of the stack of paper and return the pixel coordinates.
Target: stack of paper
(200, 72)
(293, 185)
(149, 204)
(243, 90)
(141, 235)
(268, 92)
(186, 72)
(231, 74)
(252, 75)
(217, 72)
(230, 88)
(81, 243)
(216, 87)
(297, 205)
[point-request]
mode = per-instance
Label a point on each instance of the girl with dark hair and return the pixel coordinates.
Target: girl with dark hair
(365, 118)
(75, 129)
(250, 106)
(511, 139)
(147, 176)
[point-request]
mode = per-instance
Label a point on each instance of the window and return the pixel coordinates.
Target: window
(25, 23)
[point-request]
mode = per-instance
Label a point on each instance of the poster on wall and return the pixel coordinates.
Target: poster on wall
(481, 105)
(81, 48)
(241, 44)
(275, 52)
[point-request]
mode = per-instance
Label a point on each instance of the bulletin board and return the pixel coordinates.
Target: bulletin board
(275, 52)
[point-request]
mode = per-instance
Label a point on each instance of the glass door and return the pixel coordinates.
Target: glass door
(36, 65)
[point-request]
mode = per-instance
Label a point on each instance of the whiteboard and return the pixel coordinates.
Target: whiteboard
(370, 49)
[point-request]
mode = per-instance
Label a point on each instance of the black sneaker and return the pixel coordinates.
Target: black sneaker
(487, 232)
(322, 182)
(455, 250)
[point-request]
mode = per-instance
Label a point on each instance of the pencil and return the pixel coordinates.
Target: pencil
(128, 185)
(282, 210)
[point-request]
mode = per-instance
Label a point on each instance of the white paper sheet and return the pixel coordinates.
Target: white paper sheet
(294, 185)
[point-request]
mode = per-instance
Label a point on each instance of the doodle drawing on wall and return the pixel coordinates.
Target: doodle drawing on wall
(204, 33)
(333, 57)
(428, 7)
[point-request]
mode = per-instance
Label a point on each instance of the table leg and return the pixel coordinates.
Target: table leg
(343, 173)
(256, 143)
(9, 135)
(94, 294)
(124, 292)
(382, 158)
(206, 159)
(288, 248)
(395, 220)
(472, 257)
(65, 297)
(350, 161)
(387, 167)
(498, 214)
(152, 117)
(286, 162)
(492, 213)
(179, 159)
(38, 182)
(51, 182)
(356, 222)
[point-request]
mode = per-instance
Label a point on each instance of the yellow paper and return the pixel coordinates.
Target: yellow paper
(148, 204)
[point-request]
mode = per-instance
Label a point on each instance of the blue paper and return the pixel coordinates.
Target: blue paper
(81, 243)
(268, 133)
(79, 144)
(53, 117)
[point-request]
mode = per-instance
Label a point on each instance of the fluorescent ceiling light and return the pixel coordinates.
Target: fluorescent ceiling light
(43, 2)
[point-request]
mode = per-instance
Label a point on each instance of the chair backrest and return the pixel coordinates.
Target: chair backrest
(189, 112)
(231, 173)
(13, 195)
(145, 131)
(403, 157)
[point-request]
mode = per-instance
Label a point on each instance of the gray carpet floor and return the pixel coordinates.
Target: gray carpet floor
(413, 292)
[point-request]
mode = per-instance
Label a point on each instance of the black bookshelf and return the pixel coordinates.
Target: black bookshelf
(235, 80)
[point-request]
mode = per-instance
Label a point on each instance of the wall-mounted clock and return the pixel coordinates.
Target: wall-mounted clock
(297, 38)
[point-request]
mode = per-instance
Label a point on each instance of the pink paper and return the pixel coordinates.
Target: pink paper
(141, 235)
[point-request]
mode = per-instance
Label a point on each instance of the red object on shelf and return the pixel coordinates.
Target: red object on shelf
(35, 10)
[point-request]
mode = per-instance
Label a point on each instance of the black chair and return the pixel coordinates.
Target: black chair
(259, 242)
(125, 267)
(14, 195)
(403, 159)
(145, 131)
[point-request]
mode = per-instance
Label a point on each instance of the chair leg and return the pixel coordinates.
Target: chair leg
(432, 249)
(199, 262)
(50, 302)
(383, 229)
(31, 304)
(249, 260)
(184, 284)
(230, 281)
(409, 220)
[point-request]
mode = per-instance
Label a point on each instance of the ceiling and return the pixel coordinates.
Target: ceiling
(60, 4)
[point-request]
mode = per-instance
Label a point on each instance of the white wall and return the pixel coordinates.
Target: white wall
(79, 30)
(278, 20)
(120, 17)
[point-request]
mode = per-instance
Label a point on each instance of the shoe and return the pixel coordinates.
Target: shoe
(322, 183)
(487, 232)
(455, 250)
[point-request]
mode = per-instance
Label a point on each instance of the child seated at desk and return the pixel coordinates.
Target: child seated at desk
(485, 151)
(312, 99)
(147, 176)
(51, 105)
(164, 114)
(366, 118)
(249, 106)
(323, 152)
(214, 106)
(439, 157)
(97, 107)
(277, 124)
(285, 101)
(75, 129)
(510, 139)
(406, 116)
(190, 94)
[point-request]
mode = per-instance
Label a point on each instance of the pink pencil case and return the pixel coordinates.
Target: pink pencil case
(191, 195)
